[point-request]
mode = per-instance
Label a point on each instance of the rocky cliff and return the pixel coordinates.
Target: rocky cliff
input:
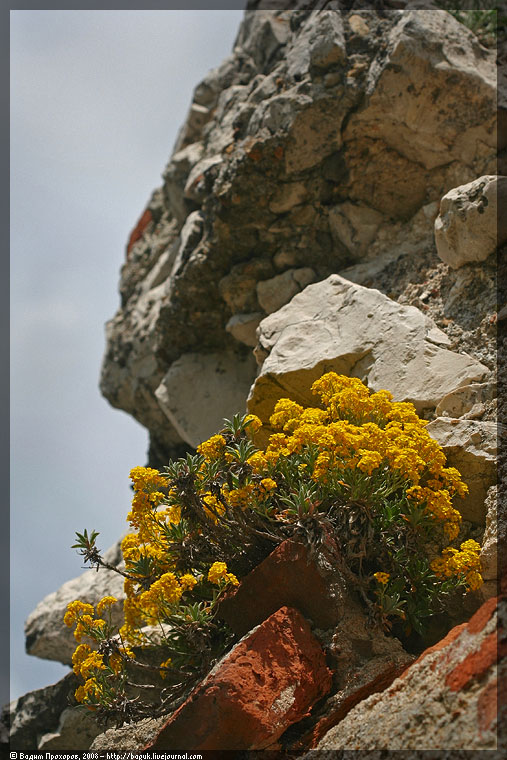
(330, 204)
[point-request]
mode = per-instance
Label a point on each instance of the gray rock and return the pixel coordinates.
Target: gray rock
(46, 635)
(337, 325)
(355, 226)
(200, 390)
(38, 712)
(132, 737)
(471, 447)
(274, 293)
(466, 227)
(243, 327)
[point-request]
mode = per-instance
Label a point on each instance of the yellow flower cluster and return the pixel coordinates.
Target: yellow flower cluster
(218, 574)
(382, 578)
(213, 448)
(82, 614)
(465, 561)
(368, 432)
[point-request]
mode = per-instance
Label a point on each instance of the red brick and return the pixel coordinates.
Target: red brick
(289, 576)
(267, 682)
(139, 229)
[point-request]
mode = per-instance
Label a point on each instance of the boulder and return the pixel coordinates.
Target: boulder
(447, 699)
(76, 730)
(339, 326)
(46, 634)
(200, 390)
(268, 681)
(466, 229)
(470, 446)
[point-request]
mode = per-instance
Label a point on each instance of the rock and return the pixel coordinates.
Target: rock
(494, 538)
(36, 713)
(274, 293)
(45, 633)
(200, 390)
(353, 330)
(354, 226)
(267, 682)
(76, 730)
(238, 288)
(425, 52)
(243, 327)
(383, 112)
(138, 231)
(471, 447)
(463, 402)
(446, 699)
(129, 737)
(466, 227)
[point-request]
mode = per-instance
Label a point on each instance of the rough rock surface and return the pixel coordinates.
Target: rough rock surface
(337, 325)
(268, 681)
(321, 140)
(468, 227)
(446, 700)
(470, 446)
(46, 635)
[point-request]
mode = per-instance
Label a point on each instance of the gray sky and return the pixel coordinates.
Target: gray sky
(97, 98)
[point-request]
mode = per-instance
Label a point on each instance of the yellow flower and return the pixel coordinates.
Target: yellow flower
(268, 484)
(106, 601)
(217, 571)
(253, 423)
(213, 448)
(164, 666)
(187, 582)
(382, 578)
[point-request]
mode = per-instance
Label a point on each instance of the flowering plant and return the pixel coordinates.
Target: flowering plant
(359, 465)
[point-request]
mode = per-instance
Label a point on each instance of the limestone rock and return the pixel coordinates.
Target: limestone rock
(200, 390)
(337, 325)
(446, 699)
(466, 227)
(471, 447)
(45, 632)
(467, 401)
(494, 537)
(308, 147)
(274, 293)
(267, 682)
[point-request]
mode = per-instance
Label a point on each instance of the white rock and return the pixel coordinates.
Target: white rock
(337, 325)
(354, 225)
(462, 402)
(200, 390)
(195, 187)
(75, 731)
(274, 293)
(471, 447)
(46, 634)
(494, 537)
(466, 227)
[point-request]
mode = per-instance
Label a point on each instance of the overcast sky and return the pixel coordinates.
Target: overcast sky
(97, 98)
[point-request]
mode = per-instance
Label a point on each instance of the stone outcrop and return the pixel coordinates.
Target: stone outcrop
(306, 152)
